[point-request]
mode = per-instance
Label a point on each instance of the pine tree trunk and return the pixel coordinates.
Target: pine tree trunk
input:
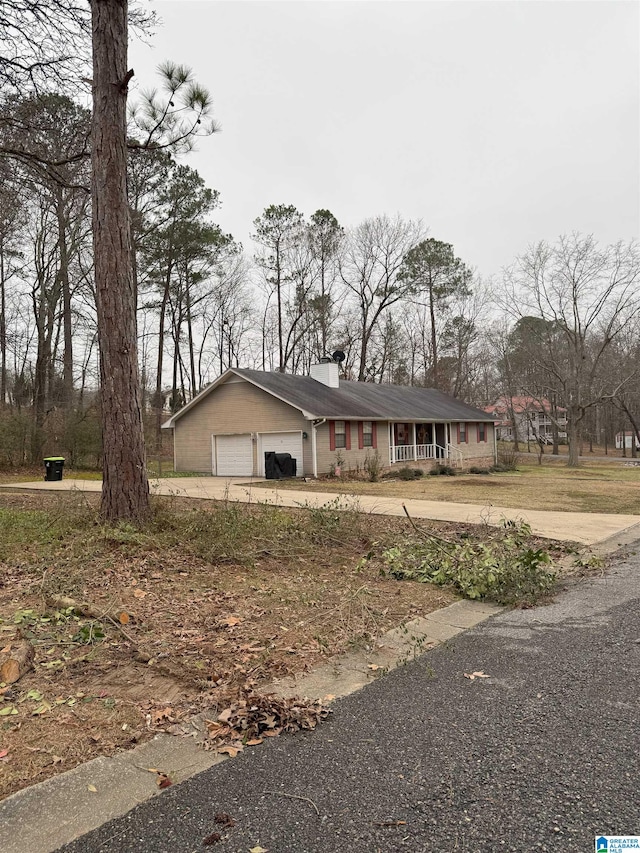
(3, 333)
(67, 362)
(435, 378)
(125, 489)
(158, 400)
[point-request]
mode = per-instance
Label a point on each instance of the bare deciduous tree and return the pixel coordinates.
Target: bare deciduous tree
(372, 258)
(587, 297)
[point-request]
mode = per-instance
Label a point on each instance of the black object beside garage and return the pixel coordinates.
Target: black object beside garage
(279, 466)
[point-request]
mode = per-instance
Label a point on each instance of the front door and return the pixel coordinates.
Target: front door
(441, 441)
(424, 433)
(401, 434)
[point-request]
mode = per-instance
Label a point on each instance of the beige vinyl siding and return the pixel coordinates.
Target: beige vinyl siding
(474, 449)
(234, 408)
(352, 458)
(480, 452)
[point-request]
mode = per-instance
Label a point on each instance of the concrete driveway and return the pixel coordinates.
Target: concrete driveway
(586, 528)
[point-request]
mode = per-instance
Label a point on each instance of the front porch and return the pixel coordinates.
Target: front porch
(420, 442)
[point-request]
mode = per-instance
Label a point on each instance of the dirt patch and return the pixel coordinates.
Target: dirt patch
(135, 683)
(209, 601)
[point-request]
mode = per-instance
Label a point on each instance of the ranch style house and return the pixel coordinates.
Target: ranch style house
(324, 422)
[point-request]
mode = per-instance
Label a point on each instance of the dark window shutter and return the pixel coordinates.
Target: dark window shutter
(332, 435)
(374, 435)
(360, 435)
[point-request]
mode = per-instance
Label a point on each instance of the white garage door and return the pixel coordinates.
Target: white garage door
(234, 455)
(281, 442)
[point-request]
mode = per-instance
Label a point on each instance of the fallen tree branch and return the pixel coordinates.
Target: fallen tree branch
(16, 660)
(424, 533)
(294, 797)
(63, 602)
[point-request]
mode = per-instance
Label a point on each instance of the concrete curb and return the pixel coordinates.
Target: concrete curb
(44, 817)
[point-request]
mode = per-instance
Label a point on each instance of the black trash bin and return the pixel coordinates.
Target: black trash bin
(271, 470)
(53, 466)
(279, 466)
(287, 464)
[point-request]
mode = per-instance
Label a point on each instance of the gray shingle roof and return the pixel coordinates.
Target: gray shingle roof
(364, 400)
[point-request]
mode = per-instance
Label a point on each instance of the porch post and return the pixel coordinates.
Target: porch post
(433, 440)
(415, 446)
(391, 445)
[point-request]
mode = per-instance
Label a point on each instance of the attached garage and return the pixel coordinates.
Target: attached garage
(233, 455)
(280, 442)
(320, 419)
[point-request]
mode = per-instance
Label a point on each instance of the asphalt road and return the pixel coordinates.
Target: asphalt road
(541, 756)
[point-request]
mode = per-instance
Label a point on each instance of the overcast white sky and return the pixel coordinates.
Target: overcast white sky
(498, 123)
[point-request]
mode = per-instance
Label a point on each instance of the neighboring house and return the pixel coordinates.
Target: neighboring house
(531, 416)
(323, 421)
(626, 440)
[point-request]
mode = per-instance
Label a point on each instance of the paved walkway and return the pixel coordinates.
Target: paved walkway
(586, 528)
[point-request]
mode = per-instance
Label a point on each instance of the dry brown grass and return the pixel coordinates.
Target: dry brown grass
(594, 487)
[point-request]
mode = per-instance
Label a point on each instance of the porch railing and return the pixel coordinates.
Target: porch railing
(454, 455)
(417, 452)
(421, 452)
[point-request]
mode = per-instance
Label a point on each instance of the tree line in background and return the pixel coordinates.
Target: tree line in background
(560, 326)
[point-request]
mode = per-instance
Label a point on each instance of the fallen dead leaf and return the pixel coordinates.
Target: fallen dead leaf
(224, 819)
(473, 675)
(254, 741)
(212, 839)
(373, 667)
(92, 788)
(123, 618)
(4, 753)
(258, 849)
(162, 714)
(139, 593)
(231, 749)
(164, 781)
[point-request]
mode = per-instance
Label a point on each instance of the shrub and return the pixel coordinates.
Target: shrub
(475, 470)
(508, 459)
(407, 473)
(444, 470)
(373, 466)
(506, 569)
